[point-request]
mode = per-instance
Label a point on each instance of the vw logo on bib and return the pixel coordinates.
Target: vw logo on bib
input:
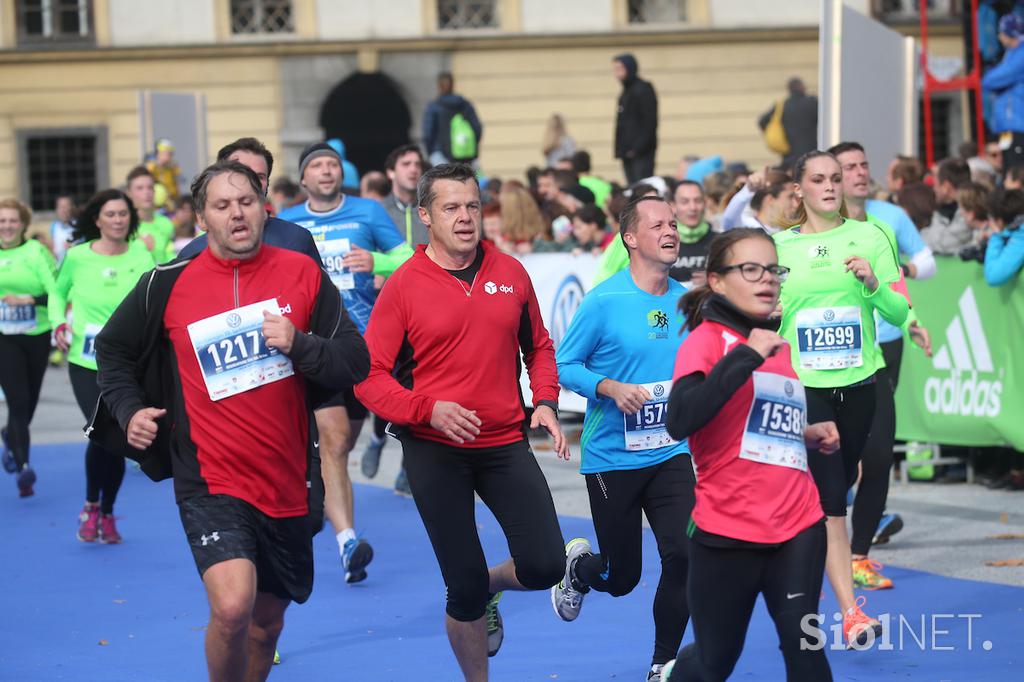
(233, 320)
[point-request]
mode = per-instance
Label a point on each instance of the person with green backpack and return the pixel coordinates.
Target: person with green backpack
(451, 129)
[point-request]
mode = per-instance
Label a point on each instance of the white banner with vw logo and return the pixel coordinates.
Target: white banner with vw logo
(560, 280)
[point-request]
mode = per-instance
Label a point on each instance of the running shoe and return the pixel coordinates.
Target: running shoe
(666, 670)
(887, 527)
(108, 530)
(89, 523)
(655, 674)
(495, 628)
(567, 596)
(26, 479)
(866, 575)
(370, 462)
(10, 466)
(355, 558)
(402, 484)
(859, 628)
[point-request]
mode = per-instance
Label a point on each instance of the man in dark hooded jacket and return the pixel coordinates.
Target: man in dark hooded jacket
(437, 122)
(636, 125)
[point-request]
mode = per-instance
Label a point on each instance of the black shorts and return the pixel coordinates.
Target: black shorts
(355, 409)
(222, 527)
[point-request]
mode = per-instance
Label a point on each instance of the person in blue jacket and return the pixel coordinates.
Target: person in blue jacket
(437, 120)
(350, 175)
(619, 352)
(1006, 80)
(1004, 256)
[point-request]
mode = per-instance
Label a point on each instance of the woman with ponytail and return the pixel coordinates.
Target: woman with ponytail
(757, 526)
(841, 270)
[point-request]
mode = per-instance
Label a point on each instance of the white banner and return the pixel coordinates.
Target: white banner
(560, 280)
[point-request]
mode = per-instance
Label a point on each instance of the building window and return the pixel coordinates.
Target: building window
(656, 11)
(459, 14)
(55, 162)
(48, 21)
(901, 11)
(250, 17)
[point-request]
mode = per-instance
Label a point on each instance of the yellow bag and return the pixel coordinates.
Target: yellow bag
(775, 134)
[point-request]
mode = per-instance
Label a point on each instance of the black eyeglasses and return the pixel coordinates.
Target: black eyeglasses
(753, 272)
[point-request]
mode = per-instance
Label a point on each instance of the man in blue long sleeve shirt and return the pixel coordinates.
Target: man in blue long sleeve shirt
(619, 352)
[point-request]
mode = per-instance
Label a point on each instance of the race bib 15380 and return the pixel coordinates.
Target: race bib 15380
(774, 433)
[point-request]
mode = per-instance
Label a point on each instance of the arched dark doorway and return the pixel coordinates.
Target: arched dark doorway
(369, 114)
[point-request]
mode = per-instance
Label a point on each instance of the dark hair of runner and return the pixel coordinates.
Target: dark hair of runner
(137, 172)
(688, 183)
(692, 302)
(251, 145)
(392, 160)
(459, 172)
(85, 226)
(201, 183)
(843, 147)
(630, 215)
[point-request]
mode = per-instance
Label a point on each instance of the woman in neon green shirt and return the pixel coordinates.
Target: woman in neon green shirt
(27, 272)
(840, 272)
(94, 278)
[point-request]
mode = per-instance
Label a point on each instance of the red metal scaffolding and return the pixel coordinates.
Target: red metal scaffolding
(970, 82)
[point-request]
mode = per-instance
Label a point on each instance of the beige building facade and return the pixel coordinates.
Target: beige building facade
(266, 68)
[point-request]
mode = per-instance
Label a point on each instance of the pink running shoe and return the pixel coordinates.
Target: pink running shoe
(89, 523)
(108, 531)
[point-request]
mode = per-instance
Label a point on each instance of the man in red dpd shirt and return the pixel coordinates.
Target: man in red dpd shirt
(445, 338)
(246, 339)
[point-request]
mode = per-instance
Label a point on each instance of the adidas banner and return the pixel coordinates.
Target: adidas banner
(969, 392)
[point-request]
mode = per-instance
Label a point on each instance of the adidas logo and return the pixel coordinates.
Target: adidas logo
(965, 355)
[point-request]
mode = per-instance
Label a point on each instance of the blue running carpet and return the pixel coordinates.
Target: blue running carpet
(84, 612)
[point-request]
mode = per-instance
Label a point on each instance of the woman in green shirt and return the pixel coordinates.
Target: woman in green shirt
(27, 271)
(840, 272)
(94, 278)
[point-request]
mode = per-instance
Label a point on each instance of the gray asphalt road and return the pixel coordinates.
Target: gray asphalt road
(951, 529)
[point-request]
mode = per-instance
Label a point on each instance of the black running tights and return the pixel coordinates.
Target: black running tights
(104, 470)
(23, 361)
(664, 492)
(723, 586)
(876, 460)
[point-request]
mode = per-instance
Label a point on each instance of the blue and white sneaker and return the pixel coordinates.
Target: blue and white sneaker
(10, 466)
(889, 525)
(356, 557)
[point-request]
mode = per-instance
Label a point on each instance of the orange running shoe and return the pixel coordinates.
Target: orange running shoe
(860, 629)
(867, 577)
